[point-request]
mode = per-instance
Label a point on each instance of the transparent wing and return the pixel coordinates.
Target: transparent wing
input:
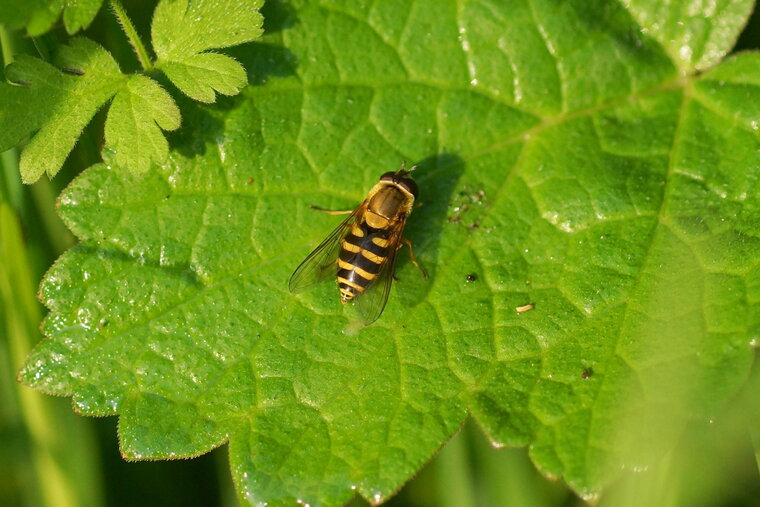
(371, 303)
(320, 264)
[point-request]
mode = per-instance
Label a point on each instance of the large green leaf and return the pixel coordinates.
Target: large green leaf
(565, 160)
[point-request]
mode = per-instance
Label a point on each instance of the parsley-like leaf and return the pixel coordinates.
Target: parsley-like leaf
(132, 128)
(39, 16)
(183, 33)
(65, 102)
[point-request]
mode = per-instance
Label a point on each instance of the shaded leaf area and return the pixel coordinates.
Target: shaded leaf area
(84, 77)
(564, 162)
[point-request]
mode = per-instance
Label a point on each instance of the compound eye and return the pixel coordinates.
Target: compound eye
(409, 185)
(388, 176)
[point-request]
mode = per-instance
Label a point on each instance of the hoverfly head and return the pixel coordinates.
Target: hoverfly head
(403, 179)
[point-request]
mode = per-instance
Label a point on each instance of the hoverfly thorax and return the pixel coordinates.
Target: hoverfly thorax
(386, 206)
(361, 252)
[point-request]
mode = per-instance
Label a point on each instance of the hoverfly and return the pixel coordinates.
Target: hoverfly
(361, 252)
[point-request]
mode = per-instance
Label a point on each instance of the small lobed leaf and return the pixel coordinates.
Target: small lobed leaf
(87, 77)
(42, 19)
(16, 13)
(139, 111)
(199, 75)
(39, 16)
(78, 14)
(36, 82)
(183, 31)
(66, 102)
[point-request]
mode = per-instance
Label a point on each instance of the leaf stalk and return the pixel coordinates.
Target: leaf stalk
(6, 46)
(131, 33)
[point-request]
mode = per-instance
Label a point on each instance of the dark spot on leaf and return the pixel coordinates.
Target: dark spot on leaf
(587, 372)
(471, 277)
(69, 70)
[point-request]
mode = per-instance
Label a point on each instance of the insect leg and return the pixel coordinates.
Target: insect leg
(414, 261)
(330, 212)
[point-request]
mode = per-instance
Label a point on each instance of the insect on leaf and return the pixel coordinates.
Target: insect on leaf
(590, 223)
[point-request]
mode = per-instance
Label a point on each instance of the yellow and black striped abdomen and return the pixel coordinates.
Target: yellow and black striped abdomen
(363, 253)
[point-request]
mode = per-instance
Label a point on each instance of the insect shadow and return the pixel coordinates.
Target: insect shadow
(436, 177)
